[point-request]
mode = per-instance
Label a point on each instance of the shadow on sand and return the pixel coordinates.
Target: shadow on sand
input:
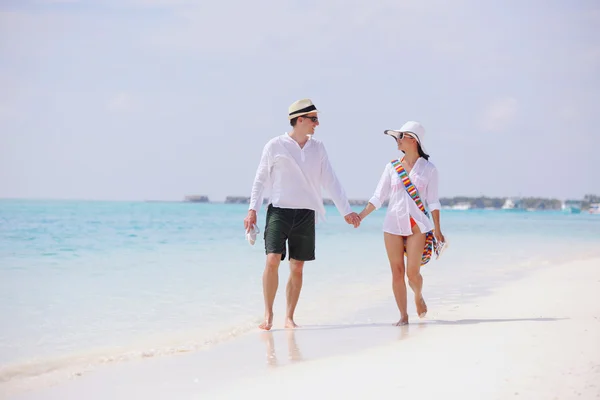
(485, 321)
(425, 322)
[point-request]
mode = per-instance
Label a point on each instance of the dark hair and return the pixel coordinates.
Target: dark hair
(293, 121)
(421, 152)
(419, 149)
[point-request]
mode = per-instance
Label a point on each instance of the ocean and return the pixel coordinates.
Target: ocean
(84, 283)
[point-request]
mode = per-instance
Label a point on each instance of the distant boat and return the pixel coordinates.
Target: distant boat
(572, 206)
(461, 206)
(508, 205)
(513, 205)
(594, 208)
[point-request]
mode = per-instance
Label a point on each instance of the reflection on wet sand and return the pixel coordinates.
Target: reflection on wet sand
(293, 350)
(403, 332)
(294, 354)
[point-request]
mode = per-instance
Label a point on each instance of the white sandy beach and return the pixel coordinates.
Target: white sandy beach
(538, 338)
(535, 338)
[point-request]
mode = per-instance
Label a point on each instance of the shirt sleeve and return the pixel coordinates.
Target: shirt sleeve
(331, 183)
(382, 192)
(433, 200)
(261, 179)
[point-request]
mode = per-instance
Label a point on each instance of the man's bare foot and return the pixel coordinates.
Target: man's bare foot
(290, 324)
(267, 324)
(421, 307)
(403, 321)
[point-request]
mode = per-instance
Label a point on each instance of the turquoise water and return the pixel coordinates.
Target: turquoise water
(118, 280)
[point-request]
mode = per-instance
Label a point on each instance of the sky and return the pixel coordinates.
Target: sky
(157, 99)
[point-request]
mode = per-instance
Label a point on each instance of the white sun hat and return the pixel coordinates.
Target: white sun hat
(411, 127)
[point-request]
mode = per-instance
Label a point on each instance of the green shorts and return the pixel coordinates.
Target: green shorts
(296, 226)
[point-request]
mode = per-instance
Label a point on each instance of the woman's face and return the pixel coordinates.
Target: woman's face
(406, 141)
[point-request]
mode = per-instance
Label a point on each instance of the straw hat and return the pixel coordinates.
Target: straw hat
(300, 108)
(411, 127)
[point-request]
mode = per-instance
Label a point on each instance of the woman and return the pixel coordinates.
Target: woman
(407, 226)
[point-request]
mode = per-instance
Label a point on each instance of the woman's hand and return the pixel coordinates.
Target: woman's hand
(439, 236)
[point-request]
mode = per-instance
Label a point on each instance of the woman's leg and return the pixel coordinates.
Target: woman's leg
(394, 246)
(414, 250)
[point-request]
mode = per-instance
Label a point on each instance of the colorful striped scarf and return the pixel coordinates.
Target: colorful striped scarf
(430, 242)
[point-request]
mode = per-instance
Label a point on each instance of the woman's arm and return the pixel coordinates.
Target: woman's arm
(382, 192)
(369, 208)
(434, 205)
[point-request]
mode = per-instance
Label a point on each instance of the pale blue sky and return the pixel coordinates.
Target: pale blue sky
(151, 99)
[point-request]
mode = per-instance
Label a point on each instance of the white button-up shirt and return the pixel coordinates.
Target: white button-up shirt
(296, 175)
(401, 207)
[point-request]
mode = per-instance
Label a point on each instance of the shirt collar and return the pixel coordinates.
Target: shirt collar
(289, 138)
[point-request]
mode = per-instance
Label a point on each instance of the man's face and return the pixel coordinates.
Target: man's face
(309, 122)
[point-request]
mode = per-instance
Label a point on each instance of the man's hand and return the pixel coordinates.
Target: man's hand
(250, 220)
(353, 219)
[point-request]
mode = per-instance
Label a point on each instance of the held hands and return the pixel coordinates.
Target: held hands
(250, 220)
(353, 219)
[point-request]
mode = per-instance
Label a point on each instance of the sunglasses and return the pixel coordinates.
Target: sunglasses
(313, 119)
(402, 135)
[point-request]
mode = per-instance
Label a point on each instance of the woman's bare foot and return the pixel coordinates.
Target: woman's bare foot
(290, 324)
(403, 321)
(267, 324)
(421, 307)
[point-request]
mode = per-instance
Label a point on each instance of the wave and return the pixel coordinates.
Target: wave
(49, 371)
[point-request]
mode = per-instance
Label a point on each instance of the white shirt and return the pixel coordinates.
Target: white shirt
(296, 177)
(401, 207)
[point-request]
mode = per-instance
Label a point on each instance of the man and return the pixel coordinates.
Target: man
(295, 167)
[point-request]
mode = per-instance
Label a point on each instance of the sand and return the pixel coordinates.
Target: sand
(534, 338)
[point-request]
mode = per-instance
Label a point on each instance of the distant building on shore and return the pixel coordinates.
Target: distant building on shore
(196, 199)
(468, 203)
(240, 200)
(352, 202)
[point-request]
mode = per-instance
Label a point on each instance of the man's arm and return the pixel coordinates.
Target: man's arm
(261, 180)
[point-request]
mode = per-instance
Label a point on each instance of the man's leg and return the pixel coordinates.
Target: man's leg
(270, 284)
(301, 242)
(394, 246)
(294, 286)
(414, 250)
(277, 225)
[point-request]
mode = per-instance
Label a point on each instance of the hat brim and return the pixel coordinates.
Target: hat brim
(291, 117)
(395, 133)
(392, 132)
